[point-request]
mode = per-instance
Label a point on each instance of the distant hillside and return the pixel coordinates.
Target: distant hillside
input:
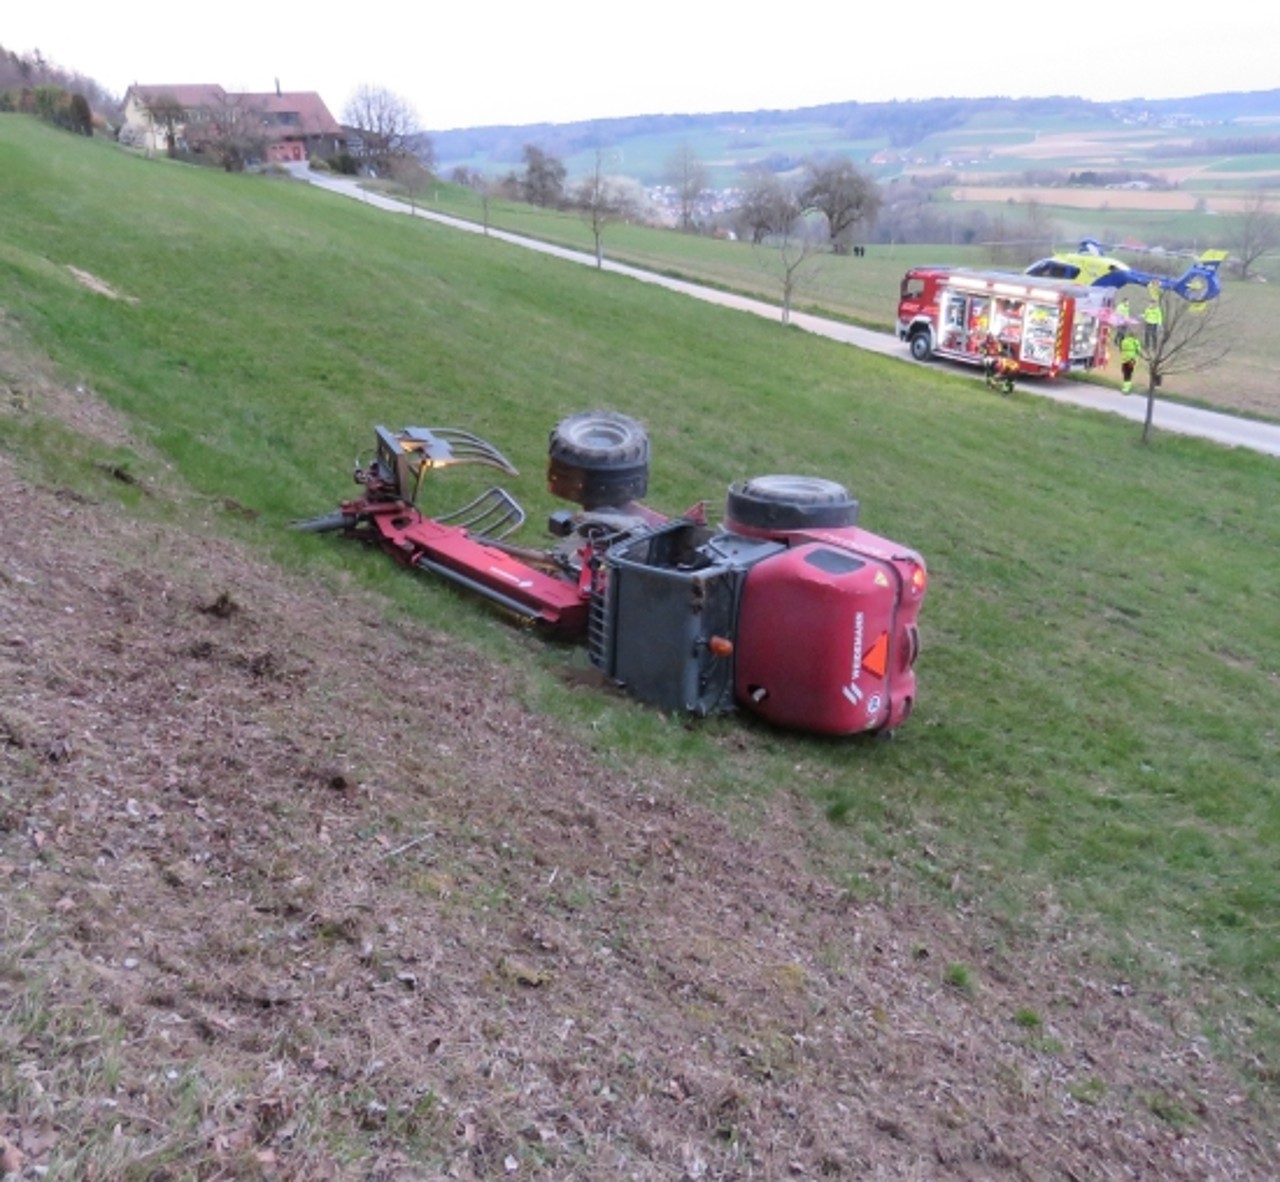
(731, 140)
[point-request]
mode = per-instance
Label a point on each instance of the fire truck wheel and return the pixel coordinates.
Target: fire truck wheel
(598, 458)
(921, 348)
(791, 502)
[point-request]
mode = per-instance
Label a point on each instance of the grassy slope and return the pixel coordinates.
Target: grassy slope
(1097, 721)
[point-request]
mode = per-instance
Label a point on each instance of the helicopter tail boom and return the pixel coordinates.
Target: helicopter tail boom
(1200, 283)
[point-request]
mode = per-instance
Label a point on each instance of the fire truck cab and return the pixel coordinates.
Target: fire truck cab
(1044, 326)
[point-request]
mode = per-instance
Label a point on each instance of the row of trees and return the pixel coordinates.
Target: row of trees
(847, 199)
(50, 102)
(33, 84)
(834, 187)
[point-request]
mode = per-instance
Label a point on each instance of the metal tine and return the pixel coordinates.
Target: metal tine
(497, 515)
(445, 443)
(477, 450)
(494, 514)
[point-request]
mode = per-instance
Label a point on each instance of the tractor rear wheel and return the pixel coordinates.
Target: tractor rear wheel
(791, 502)
(598, 458)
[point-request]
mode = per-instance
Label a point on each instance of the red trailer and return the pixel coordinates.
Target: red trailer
(1044, 327)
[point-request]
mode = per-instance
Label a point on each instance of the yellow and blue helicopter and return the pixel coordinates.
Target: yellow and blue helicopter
(1091, 265)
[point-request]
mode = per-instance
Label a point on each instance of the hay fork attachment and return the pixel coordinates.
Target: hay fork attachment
(403, 458)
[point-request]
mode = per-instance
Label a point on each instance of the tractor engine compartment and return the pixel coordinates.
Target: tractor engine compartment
(663, 624)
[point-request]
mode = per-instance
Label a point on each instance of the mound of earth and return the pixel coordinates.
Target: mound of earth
(295, 889)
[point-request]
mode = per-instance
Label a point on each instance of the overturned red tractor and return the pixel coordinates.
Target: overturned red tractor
(788, 609)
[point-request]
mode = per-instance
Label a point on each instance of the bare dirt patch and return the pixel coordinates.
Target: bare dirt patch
(290, 890)
(93, 283)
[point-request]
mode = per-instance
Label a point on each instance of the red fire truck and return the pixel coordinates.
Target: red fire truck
(1044, 327)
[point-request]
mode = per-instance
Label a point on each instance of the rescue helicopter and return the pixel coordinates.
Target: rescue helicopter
(1091, 265)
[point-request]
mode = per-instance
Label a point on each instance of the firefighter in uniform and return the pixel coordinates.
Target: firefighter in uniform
(990, 358)
(997, 365)
(1130, 351)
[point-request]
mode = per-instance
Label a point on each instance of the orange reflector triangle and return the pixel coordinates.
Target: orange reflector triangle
(876, 658)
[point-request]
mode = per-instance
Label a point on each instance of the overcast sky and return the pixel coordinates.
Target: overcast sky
(467, 64)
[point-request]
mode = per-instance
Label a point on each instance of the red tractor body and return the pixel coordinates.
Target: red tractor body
(843, 658)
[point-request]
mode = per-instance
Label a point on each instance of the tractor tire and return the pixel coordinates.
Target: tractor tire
(598, 459)
(790, 503)
(921, 345)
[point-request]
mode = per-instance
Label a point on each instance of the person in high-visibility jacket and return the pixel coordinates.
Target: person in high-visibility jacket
(1152, 320)
(1129, 354)
(1122, 320)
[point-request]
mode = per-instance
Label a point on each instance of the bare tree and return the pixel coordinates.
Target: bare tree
(789, 253)
(542, 182)
(409, 172)
(483, 188)
(1254, 232)
(843, 195)
(1039, 225)
(167, 113)
(1192, 338)
(768, 206)
(387, 125)
(688, 177)
(601, 201)
(232, 130)
(479, 184)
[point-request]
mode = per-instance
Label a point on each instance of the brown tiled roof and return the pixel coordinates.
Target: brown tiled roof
(200, 94)
(313, 115)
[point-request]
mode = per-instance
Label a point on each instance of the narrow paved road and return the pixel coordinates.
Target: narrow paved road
(1169, 416)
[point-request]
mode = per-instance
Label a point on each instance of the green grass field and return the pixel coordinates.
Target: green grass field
(1097, 726)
